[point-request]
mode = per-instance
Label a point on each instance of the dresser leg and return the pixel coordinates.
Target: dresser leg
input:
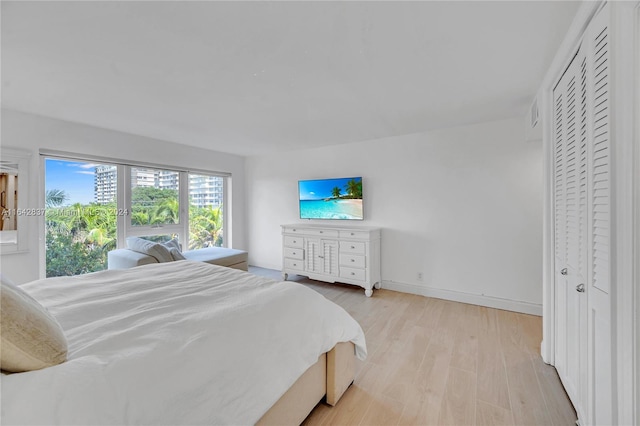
(368, 292)
(285, 276)
(377, 285)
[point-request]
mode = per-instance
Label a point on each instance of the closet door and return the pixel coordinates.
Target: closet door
(580, 297)
(598, 283)
(582, 179)
(560, 190)
(570, 186)
(560, 230)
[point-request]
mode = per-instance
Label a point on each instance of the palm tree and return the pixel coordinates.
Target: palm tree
(99, 225)
(354, 188)
(167, 212)
(78, 237)
(54, 198)
(336, 192)
(140, 218)
(205, 227)
(54, 219)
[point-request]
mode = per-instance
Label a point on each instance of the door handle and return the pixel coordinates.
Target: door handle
(564, 271)
(580, 288)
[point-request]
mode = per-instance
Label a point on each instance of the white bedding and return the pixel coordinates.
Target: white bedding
(174, 343)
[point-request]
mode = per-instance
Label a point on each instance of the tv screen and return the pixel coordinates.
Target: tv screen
(331, 198)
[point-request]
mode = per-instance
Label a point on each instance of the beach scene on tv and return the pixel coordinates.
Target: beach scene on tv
(331, 198)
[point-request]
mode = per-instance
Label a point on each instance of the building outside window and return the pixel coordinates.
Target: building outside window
(84, 212)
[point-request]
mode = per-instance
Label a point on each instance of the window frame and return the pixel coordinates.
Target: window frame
(179, 228)
(124, 228)
(226, 218)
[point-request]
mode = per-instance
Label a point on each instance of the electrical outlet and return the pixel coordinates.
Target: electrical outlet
(419, 276)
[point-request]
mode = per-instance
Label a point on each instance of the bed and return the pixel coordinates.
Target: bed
(185, 343)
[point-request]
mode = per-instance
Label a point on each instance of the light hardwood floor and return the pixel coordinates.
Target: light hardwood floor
(435, 362)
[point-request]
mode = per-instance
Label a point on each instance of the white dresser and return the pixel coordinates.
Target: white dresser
(348, 255)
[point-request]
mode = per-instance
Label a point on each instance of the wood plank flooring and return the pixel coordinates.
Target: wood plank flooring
(436, 362)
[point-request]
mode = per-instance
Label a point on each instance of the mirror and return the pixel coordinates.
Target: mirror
(14, 174)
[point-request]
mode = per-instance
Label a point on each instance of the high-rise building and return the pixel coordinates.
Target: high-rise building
(143, 177)
(105, 180)
(167, 179)
(204, 190)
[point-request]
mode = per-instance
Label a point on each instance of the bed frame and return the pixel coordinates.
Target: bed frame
(330, 376)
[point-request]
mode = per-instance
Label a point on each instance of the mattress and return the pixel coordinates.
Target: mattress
(174, 343)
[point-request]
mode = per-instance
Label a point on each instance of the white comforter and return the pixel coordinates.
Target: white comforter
(174, 343)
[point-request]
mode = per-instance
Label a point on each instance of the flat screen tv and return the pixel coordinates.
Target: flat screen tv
(331, 198)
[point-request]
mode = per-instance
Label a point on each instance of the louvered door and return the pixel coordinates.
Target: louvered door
(581, 317)
(560, 218)
(330, 257)
(597, 40)
(582, 182)
(314, 255)
(322, 256)
(569, 164)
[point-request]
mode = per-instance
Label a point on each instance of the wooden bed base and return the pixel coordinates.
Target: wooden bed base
(331, 376)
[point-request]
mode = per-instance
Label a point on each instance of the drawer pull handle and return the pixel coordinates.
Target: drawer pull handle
(294, 253)
(294, 241)
(322, 232)
(295, 264)
(353, 273)
(353, 233)
(353, 260)
(353, 247)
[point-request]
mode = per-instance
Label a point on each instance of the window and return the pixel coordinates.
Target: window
(206, 194)
(91, 208)
(80, 216)
(154, 197)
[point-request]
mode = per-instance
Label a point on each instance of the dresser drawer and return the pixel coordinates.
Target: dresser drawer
(321, 232)
(352, 273)
(312, 232)
(359, 235)
(290, 241)
(353, 260)
(294, 264)
(293, 230)
(294, 253)
(354, 247)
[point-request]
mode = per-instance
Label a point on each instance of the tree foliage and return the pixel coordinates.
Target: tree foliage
(335, 192)
(147, 195)
(67, 256)
(205, 227)
(54, 198)
(354, 189)
(78, 237)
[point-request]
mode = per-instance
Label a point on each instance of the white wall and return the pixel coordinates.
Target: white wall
(33, 132)
(463, 206)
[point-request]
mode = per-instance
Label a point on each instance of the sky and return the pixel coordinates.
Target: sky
(318, 189)
(73, 177)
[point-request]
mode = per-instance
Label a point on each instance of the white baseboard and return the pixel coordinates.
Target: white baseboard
(474, 299)
(266, 266)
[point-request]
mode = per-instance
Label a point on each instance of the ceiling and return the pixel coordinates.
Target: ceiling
(257, 77)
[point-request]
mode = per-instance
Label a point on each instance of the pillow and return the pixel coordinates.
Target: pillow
(172, 243)
(155, 250)
(176, 254)
(30, 337)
